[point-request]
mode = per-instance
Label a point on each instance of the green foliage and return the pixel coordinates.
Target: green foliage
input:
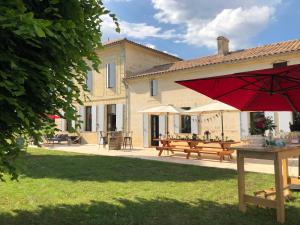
(45, 52)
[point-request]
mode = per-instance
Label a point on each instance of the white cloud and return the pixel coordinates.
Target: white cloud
(203, 21)
(149, 45)
(134, 30)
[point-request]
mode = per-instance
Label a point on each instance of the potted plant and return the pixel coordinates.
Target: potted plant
(258, 129)
(295, 129)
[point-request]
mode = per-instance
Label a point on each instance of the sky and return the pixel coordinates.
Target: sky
(189, 28)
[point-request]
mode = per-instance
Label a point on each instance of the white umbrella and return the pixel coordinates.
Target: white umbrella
(213, 107)
(163, 109)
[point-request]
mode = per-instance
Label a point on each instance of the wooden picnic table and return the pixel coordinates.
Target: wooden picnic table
(280, 157)
(193, 147)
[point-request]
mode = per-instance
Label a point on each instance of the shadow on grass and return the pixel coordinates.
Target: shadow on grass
(103, 168)
(144, 212)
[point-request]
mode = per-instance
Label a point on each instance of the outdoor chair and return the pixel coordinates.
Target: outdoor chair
(127, 140)
(102, 138)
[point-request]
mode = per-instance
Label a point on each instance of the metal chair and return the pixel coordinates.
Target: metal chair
(102, 138)
(127, 140)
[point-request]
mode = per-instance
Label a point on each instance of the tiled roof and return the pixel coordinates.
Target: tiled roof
(245, 54)
(119, 41)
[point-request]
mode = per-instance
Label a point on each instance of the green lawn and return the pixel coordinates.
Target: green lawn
(64, 188)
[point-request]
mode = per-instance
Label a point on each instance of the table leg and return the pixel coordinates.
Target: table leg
(279, 190)
(241, 182)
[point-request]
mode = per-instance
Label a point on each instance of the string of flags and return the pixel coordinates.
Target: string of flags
(207, 119)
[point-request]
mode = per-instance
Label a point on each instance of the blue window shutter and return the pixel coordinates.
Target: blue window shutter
(81, 114)
(110, 75)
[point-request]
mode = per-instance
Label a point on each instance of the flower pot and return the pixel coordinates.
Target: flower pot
(256, 140)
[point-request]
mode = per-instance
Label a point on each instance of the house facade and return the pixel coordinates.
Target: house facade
(162, 79)
(106, 104)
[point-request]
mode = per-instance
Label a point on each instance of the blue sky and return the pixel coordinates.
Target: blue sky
(189, 28)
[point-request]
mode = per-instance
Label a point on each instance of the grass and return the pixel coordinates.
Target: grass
(61, 188)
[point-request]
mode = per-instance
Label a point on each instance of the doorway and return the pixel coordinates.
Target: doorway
(154, 130)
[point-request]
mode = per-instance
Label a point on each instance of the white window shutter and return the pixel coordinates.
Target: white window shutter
(194, 124)
(162, 124)
(284, 119)
(155, 87)
(146, 130)
(89, 81)
(73, 124)
(176, 123)
(244, 124)
(120, 117)
(94, 121)
(112, 75)
(82, 117)
(101, 117)
(107, 75)
(62, 124)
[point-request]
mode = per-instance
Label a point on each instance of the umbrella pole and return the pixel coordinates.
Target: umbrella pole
(222, 123)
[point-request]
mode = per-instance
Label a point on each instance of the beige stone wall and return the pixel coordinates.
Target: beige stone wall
(171, 93)
(140, 59)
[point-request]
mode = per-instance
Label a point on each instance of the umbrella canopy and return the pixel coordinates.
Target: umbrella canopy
(53, 117)
(164, 109)
(275, 89)
(212, 107)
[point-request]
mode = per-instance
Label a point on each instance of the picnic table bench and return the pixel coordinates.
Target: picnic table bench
(193, 147)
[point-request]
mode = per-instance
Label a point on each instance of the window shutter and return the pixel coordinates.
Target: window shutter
(194, 125)
(162, 124)
(101, 117)
(94, 122)
(146, 130)
(284, 119)
(110, 75)
(120, 117)
(81, 117)
(244, 124)
(89, 80)
(107, 75)
(176, 124)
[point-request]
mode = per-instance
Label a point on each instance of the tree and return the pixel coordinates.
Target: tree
(46, 49)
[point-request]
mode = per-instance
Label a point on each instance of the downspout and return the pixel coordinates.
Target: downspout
(127, 100)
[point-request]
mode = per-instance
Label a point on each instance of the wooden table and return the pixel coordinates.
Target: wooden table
(280, 157)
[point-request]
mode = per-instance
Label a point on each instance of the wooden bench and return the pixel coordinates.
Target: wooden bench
(170, 148)
(210, 150)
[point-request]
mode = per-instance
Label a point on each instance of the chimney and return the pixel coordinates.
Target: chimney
(223, 45)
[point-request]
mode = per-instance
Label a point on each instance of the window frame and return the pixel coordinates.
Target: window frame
(187, 128)
(88, 118)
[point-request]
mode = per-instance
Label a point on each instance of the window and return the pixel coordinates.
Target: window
(295, 126)
(111, 117)
(153, 87)
(88, 118)
(279, 64)
(185, 124)
(110, 75)
(69, 127)
(89, 80)
(256, 122)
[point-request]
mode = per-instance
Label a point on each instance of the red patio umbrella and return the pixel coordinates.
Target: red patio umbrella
(53, 117)
(275, 89)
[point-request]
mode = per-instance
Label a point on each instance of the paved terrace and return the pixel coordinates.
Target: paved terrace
(260, 166)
